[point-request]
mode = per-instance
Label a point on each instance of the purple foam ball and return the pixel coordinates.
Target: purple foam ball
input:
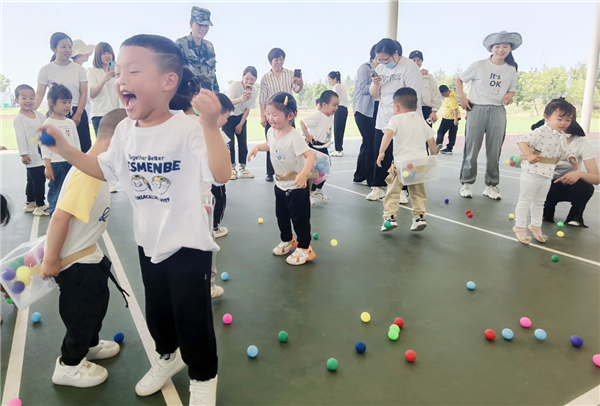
(40, 252)
(576, 341)
(9, 274)
(18, 287)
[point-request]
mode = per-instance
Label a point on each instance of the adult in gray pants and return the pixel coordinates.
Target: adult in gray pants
(493, 85)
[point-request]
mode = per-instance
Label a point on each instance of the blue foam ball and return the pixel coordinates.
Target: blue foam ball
(36, 317)
(119, 337)
(447, 201)
(9, 274)
(252, 351)
(576, 341)
(540, 334)
(508, 334)
(224, 276)
(471, 285)
(361, 347)
(47, 139)
(18, 287)
(410, 175)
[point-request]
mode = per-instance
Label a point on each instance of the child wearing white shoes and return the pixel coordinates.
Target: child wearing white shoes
(80, 268)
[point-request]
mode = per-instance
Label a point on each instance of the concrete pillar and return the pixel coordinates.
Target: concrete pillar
(391, 22)
(592, 69)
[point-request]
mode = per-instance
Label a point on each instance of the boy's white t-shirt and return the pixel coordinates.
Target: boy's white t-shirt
(26, 133)
(88, 200)
(286, 155)
(319, 127)
(582, 150)
(551, 144)
(342, 94)
(405, 74)
(108, 99)
(162, 169)
(490, 82)
(235, 92)
(70, 76)
(69, 131)
(411, 133)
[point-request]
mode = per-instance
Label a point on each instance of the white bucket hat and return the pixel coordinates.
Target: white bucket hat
(513, 38)
(80, 48)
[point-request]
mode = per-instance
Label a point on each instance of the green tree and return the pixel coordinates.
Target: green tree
(4, 83)
(553, 83)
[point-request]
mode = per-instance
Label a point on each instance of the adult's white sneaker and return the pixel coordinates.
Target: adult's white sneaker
(492, 192)
(203, 393)
(377, 193)
(465, 190)
(164, 368)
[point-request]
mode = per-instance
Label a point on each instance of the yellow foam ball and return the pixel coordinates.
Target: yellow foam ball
(507, 162)
(365, 317)
(260, 220)
(511, 216)
(334, 242)
(560, 234)
(405, 174)
(24, 274)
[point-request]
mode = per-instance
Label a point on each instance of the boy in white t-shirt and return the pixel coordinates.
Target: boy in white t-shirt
(410, 134)
(26, 123)
(73, 256)
(161, 159)
(317, 131)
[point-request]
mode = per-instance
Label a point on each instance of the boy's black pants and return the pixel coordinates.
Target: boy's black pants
(293, 207)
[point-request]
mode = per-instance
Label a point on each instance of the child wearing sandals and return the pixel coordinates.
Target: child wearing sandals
(542, 149)
(293, 161)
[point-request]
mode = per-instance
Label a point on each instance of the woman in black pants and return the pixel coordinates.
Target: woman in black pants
(341, 115)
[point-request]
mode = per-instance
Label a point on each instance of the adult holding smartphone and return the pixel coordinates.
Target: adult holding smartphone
(493, 85)
(341, 115)
(62, 70)
(101, 79)
(275, 81)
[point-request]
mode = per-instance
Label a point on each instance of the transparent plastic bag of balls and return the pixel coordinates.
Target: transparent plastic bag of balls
(19, 273)
(420, 170)
(322, 166)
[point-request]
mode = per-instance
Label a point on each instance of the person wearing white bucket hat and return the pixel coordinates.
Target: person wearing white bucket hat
(493, 85)
(81, 51)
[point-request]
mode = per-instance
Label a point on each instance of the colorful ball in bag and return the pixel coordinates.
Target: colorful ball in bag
(18, 287)
(507, 162)
(518, 164)
(40, 252)
(320, 167)
(9, 274)
(24, 274)
(30, 260)
(15, 264)
(515, 159)
(513, 163)
(321, 174)
(410, 175)
(409, 166)
(405, 174)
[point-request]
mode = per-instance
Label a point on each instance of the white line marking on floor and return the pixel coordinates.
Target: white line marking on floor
(169, 392)
(587, 399)
(12, 384)
(589, 261)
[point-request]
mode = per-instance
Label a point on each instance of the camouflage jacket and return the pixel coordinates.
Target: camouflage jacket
(201, 60)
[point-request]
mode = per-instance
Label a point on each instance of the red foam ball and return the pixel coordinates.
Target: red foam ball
(468, 211)
(410, 356)
(470, 215)
(513, 163)
(399, 322)
(490, 334)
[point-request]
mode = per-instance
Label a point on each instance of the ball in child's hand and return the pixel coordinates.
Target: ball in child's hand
(36, 317)
(224, 276)
(119, 337)
(260, 220)
(47, 139)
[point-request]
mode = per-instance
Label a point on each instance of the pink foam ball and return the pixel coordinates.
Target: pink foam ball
(525, 322)
(227, 318)
(409, 166)
(14, 402)
(30, 260)
(596, 360)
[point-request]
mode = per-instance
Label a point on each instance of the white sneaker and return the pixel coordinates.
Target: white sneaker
(245, 174)
(492, 192)
(465, 190)
(41, 211)
(418, 224)
(233, 174)
(312, 200)
(439, 147)
(364, 182)
(104, 349)
(84, 375)
(318, 194)
(203, 393)
(574, 223)
(162, 370)
(29, 207)
(403, 197)
(376, 194)
(112, 187)
(301, 256)
(216, 292)
(393, 224)
(445, 151)
(284, 247)
(220, 231)
(337, 154)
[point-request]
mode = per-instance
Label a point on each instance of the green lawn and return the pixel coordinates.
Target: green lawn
(517, 123)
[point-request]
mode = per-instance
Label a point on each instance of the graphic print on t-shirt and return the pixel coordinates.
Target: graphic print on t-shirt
(139, 183)
(495, 83)
(278, 154)
(161, 184)
(328, 133)
(154, 168)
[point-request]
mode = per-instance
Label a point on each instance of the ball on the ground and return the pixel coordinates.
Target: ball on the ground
(118, 337)
(387, 224)
(315, 236)
(555, 258)
(36, 317)
(252, 351)
(224, 276)
(596, 359)
(447, 201)
(511, 216)
(490, 334)
(361, 347)
(227, 318)
(525, 322)
(399, 322)
(47, 139)
(560, 234)
(332, 364)
(334, 242)
(283, 336)
(9, 274)
(560, 224)
(410, 356)
(260, 220)
(395, 328)
(468, 211)
(9, 300)
(471, 285)
(393, 335)
(365, 317)
(470, 215)
(540, 334)
(576, 341)
(405, 174)
(508, 334)
(24, 274)
(14, 402)
(18, 287)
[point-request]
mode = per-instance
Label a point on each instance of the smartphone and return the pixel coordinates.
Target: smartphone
(373, 73)
(297, 73)
(111, 65)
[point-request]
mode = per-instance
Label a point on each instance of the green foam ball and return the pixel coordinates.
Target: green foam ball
(555, 258)
(395, 328)
(560, 224)
(315, 236)
(387, 224)
(393, 335)
(283, 336)
(332, 364)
